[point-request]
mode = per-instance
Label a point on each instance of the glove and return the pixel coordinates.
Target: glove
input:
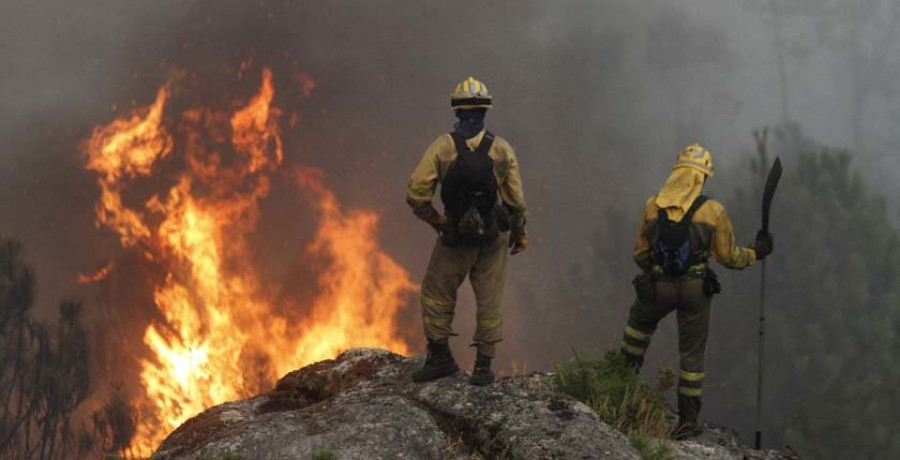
(438, 224)
(518, 243)
(763, 245)
(430, 215)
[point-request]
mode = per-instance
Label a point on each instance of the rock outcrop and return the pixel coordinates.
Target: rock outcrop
(720, 443)
(363, 405)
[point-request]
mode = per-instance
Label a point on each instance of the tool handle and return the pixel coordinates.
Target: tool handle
(762, 350)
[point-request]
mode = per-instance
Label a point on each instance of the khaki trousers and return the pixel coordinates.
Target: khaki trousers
(485, 265)
(655, 300)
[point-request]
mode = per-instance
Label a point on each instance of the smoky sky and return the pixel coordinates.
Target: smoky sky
(596, 97)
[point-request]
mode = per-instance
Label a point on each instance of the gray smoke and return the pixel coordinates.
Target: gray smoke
(597, 97)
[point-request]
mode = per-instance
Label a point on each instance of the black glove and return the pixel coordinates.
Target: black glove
(763, 245)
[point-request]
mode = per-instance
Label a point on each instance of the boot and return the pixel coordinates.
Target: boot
(482, 374)
(686, 429)
(439, 363)
(688, 414)
(634, 362)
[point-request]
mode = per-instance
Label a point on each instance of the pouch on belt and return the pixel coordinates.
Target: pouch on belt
(645, 287)
(711, 284)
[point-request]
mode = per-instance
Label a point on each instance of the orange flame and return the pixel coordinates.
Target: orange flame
(98, 275)
(360, 272)
(221, 338)
(127, 147)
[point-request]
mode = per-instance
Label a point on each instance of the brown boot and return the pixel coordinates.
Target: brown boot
(439, 363)
(482, 375)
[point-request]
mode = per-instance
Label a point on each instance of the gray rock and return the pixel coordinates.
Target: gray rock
(720, 443)
(363, 405)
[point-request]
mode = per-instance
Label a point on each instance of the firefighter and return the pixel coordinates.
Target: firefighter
(679, 230)
(477, 234)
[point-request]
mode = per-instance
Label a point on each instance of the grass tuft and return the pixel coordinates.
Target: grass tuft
(605, 382)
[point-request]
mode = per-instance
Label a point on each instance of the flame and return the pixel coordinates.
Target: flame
(221, 338)
(127, 147)
(97, 276)
(360, 272)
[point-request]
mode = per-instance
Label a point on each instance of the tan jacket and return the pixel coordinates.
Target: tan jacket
(441, 154)
(711, 230)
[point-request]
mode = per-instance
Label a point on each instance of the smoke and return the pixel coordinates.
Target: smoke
(596, 97)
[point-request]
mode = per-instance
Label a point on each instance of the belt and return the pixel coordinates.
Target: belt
(695, 271)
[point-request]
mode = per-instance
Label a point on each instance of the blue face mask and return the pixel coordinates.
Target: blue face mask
(471, 122)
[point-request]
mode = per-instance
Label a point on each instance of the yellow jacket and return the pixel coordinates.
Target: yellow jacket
(441, 154)
(711, 229)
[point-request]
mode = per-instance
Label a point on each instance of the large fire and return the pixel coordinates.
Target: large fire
(221, 337)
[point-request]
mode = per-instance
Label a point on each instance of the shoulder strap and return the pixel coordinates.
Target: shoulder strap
(486, 143)
(694, 207)
(483, 148)
(459, 143)
(698, 202)
(662, 216)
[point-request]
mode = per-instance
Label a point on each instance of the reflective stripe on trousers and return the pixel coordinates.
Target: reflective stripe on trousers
(485, 265)
(684, 296)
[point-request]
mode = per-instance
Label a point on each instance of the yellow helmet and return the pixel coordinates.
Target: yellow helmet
(471, 94)
(696, 157)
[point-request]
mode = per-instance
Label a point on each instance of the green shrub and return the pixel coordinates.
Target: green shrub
(596, 374)
(605, 382)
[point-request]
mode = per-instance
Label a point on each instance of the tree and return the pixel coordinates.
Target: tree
(45, 376)
(833, 314)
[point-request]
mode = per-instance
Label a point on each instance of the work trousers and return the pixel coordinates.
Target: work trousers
(485, 265)
(655, 300)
